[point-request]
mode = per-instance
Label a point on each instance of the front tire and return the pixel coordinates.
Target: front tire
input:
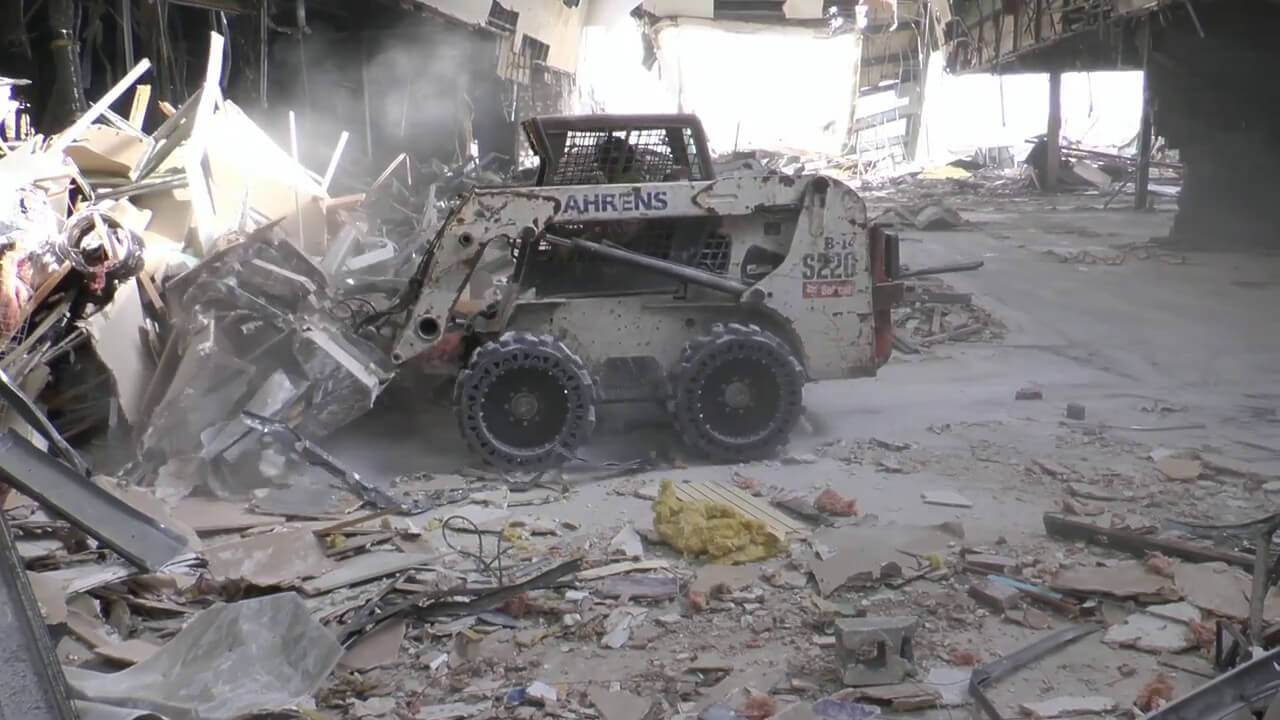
(738, 393)
(525, 402)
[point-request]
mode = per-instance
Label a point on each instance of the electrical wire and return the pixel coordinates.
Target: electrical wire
(491, 566)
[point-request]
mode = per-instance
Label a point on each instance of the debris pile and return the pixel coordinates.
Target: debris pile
(933, 313)
(158, 285)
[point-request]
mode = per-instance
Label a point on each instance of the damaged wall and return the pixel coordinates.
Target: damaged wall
(612, 76)
(550, 22)
(411, 89)
(746, 82)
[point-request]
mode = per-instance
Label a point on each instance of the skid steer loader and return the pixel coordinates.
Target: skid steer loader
(630, 272)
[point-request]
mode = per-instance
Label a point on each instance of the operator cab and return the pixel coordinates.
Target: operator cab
(614, 149)
(603, 150)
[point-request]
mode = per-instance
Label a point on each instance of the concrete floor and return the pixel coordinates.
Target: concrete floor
(1198, 330)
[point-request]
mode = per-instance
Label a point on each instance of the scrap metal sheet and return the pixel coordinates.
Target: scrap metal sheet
(254, 655)
(134, 535)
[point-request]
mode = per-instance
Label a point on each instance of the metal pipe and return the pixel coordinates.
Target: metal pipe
(942, 269)
(263, 27)
(1261, 583)
(145, 186)
(693, 276)
(126, 20)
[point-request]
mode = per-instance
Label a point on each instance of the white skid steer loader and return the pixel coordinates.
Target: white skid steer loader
(630, 272)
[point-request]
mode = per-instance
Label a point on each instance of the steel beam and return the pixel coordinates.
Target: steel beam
(132, 534)
(1247, 686)
(32, 686)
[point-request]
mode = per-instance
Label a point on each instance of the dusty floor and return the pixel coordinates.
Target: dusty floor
(1194, 333)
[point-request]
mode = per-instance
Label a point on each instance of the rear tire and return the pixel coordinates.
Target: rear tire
(738, 393)
(525, 402)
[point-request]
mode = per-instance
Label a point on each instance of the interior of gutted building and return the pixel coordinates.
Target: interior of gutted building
(639, 359)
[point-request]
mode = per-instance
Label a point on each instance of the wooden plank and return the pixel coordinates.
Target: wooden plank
(709, 494)
(755, 506)
(197, 181)
(138, 110)
(365, 567)
(716, 492)
(1058, 526)
(72, 133)
(622, 567)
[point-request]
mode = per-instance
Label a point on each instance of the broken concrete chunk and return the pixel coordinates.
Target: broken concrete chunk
(886, 640)
(618, 705)
(1183, 612)
(1180, 469)
(1028, 393)
(541, 692)
(1220, 589)
(995, 595)
(618, 626)
(1150, 633)
(937, 217)
(627, 545)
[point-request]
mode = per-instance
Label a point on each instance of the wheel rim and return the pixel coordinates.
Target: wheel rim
(525, 409)
(740, 399)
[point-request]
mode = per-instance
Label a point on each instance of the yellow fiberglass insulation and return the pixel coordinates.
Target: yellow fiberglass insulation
(712, 531)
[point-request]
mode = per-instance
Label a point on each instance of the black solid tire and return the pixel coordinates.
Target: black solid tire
(564, 382)
(704, 423)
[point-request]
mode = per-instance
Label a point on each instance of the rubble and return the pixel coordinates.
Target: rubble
(932, 313)
(227, 298)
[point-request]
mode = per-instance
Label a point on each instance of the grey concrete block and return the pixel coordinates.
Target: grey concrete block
(876, 650)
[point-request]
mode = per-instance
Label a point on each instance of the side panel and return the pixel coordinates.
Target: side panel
(733, 195)
(824, 286)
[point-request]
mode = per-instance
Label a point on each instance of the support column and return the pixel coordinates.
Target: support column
(1053, 157)
(67, 102)
(1143, 176)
